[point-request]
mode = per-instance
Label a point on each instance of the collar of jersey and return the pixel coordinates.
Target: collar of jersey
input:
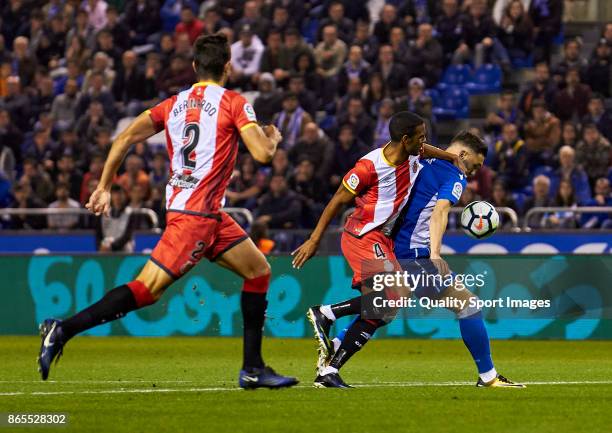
(382, 153)
(206, 83)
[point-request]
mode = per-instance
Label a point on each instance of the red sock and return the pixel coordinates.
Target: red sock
(257, 284)
(141, 293)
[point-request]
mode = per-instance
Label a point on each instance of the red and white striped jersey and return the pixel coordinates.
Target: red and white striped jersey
(202, 125)
(382, 191)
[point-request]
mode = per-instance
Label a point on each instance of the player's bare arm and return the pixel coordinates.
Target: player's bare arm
(308, 249)
(140, 129)
(261, 142)
(430, 151)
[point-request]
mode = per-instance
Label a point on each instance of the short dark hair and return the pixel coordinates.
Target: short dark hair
(211, 54)
(404, 123)
(472, 141)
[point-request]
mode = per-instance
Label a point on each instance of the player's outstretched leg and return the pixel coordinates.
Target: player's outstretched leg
(358, 334)
(476, 339)
(145, 290)
(248, 262)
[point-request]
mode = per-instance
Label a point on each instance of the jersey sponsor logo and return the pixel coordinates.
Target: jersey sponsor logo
(457, 190)
(250, 113)
(184, 181)
(353, 181)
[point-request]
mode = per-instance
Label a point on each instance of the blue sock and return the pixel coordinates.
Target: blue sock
(476, 339)
(342, 333)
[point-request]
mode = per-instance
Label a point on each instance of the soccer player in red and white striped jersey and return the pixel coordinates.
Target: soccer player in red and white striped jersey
(202, 125)
(380, 184)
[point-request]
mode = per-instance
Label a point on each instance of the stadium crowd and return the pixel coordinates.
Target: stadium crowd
(325, 72)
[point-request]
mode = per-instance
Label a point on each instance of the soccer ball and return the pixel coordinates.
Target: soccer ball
(479, 219)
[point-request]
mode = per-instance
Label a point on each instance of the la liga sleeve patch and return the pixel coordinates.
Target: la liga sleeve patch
(457, 190)
(249, 112)
(353, 181)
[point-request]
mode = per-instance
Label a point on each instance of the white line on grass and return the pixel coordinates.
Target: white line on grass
(223, 389)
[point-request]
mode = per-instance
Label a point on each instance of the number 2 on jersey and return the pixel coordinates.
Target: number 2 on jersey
(191, 136)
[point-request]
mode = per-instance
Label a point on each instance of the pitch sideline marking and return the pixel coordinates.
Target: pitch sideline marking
(222, 389)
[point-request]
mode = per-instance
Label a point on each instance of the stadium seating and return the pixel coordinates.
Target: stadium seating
(486, 79)
(455, 75)
(454, 103)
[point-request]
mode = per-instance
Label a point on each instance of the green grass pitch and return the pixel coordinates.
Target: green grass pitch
(190, 385)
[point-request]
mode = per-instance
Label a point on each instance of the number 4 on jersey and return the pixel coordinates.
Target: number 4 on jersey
(378, 251)
(191, 136)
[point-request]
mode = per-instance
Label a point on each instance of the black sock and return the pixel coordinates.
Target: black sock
(347, 308)
(253, 314)
(356, 337)
(114, 305)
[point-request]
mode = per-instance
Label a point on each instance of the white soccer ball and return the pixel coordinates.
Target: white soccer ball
(479, 219)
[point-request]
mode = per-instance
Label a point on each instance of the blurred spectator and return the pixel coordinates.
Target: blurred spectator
(306, 98)
(246, 184)
(394, 74)
(63, 201)
(598, 72)
(96, 89)
(507, 113)
(69, 175)
(571, 103)
(542, 88)
(92, 120)
(448, 27)
(280, 164)
(569, 135)
(39, 181)
(90, 179)
(23, 199)
(542, 133)
(565, 196)
(354, 67)
(572, 59)
(96, 12)
(478, 38)
(381, 129)
(269, 99)
(261, 238)
(348, 150)
(24, 64)
(291, 120)
(281, 19)
(114, 232)
(546, 16)
(129, 85)
(171, 12)
(388, 20)
(356, 116)
(599, 115)
(601, 197)
(335, 16)
(500, 197)
(159, 171)
(306, 185)
(419, 102)
(118, 29)
(510, 159)
(593, 153)
(276, 59)
(17, 104)
(246, 57)
(179, 76)
(143, 19)
(398, 42)
(367, 42)
(330, 52)
(305, 66)
(106, 45)
(540, 198)
(252, 17)
(81, 38)
(10, 136)
(280, 207)
(189, 24)
(63, 109)
(516, 30)
(425, 56)
(314, 146)
(571, 172)
(373, 93)
(41, 148)
(134, 174)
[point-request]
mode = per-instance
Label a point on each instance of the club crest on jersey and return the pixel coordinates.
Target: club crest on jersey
(415, 166)
(353, 181)
(250, 113)
(457, 190)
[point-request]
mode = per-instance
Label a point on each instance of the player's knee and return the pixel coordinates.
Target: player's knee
(471, 308)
